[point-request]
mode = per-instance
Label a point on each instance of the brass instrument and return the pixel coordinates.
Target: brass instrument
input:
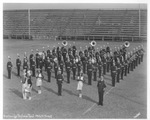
(93, 43)
(64, 43)
(126, 44)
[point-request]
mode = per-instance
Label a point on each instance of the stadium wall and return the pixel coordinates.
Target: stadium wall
(116, 25)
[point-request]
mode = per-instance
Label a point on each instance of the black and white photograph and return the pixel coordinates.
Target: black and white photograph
(74, 60)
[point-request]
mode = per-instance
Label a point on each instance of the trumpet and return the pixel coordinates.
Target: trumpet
(126, 44)
(93, 43)
(64, 43)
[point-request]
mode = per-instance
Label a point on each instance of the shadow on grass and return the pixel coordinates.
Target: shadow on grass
(69, 92)
(34, 90)
(89, 99)
(5, 76)
(50, 90)
(84, 97)
(14, 73)
(16, 92)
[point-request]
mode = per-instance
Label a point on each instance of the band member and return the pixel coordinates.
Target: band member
(131, 61)
(108, 62)
(60, 80)
(74, 50)
(25, 57)
(49, 69)
(59, 56)
(55, 68)
(68, 69)
(45, 61)
(80, 83)
(27, 86)
(25, 65)
(37, 58)
(89, 72)
(33, 65)
(9, 67)
(39, 79)
(95, 71)
(104, 64)
(100, 64)
(113, 73)
(64, 53)
(74, 67)
(71, 57)
(118, 69)
(18, 64)
(125, 66)
(31, 58)
(83, 59)
(79, 66)
(101, 86)
(122, 66)
(40, 63)
(61, 64)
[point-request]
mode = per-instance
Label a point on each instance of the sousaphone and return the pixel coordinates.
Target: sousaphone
(64, 43)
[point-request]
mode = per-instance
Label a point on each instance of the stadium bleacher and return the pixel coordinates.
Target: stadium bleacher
(94, 23)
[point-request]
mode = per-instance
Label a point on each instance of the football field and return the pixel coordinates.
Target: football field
(128, 99)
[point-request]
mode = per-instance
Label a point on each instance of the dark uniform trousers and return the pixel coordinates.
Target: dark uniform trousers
(79, 69)
(125, 69)
(100, 71)
(33, 70)
(122, 71)
(142, 57)
(134, 63)
(18, 64)
(101, 85)
(84, 67)
(129, 67)
(9, 67)
(25, 67)
(104, 68)
(37, 62)
(49, 74)
(101, 94)
(18, 70)
(139, 59)
(118, 74)
(74, 73)
(61, 67)
(68, 75)
(41, 65)
(95, 75)
(59, 83)
(108, 66)
(55, 69)
(113, 74)
(89, 77)
(45, 64)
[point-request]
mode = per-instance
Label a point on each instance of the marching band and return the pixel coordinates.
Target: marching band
(91, 61)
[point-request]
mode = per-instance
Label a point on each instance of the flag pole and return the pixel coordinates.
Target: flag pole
(29, 22)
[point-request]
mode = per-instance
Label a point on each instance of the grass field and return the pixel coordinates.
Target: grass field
(127, 100)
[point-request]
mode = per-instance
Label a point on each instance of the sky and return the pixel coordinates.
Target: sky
(16, 6)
